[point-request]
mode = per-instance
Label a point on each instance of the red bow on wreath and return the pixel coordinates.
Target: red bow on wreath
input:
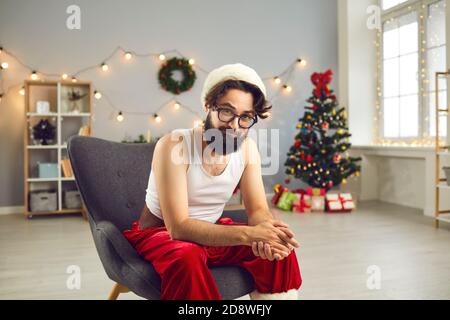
(321, 81)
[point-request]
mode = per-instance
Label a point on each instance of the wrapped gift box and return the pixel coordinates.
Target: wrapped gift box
(347, 201)
(333, 202)
(303, 204)
(317, 199)
(342, 202)
(286, 200)
(278, 189)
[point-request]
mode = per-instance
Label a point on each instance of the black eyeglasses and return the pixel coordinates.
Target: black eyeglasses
(227, 115)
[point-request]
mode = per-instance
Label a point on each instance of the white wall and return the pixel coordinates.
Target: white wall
(357, 65)
(402, 176)
(266, 35)
(448, 62)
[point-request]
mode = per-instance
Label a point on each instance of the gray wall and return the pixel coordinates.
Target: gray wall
(266, 35)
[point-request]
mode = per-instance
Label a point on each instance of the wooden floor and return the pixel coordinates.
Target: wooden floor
(335, 252)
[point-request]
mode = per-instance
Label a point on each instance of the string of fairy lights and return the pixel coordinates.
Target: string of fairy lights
(282, 81)
(423, 77)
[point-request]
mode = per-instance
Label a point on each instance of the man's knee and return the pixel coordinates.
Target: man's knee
(189, 254)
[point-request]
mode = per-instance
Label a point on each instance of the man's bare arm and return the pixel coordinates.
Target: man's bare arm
(170, 174)
(252, 189)
(210, 234)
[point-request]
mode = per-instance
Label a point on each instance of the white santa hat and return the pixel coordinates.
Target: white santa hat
(236, 71)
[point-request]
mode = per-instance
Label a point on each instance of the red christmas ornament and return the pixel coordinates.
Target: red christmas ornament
(309, 158)
(325, 125)
(337, 158)
(330, 184)
(297, 143)
(302, 156)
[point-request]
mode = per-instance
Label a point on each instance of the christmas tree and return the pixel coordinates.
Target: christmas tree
(319, 156)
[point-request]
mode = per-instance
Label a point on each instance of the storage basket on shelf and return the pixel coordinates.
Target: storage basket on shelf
(447, 174)
(72, 199)
(47, 170)
(43, 200)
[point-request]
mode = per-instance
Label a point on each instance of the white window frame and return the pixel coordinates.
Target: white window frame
(421, 7)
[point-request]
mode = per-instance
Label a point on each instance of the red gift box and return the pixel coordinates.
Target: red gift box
(303, 205)
(315, 192)
(317, 198)
(347, 201)
(341, 203)
(279, 189)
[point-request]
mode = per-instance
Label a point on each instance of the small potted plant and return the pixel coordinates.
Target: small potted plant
(75, 98)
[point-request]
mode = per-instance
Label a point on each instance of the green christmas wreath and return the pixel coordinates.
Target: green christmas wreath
(174, 86)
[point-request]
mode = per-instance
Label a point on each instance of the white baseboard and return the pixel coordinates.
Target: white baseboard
(269, 196)
(11, 210)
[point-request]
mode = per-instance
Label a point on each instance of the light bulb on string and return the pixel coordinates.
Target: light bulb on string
(302, 62)
(128, 55)
(157, 118)
(120, 116)
(22, 91)
(176, 106)
(97, 95)
(34, 75)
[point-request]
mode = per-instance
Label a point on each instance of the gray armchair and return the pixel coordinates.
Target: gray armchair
(112, 178)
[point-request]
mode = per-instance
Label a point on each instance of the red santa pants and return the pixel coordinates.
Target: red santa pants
(183, 266)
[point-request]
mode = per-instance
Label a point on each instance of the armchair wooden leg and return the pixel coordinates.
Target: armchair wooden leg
(84, 213)
(116, 290)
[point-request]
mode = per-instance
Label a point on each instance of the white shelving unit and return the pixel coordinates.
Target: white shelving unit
(67, 124)
(442, 151)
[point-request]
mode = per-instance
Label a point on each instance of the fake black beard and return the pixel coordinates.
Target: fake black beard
(232, 141)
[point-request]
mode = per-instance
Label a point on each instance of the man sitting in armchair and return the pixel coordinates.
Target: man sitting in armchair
(193, 175)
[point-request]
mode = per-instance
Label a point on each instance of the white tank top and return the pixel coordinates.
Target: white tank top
(207, 194)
